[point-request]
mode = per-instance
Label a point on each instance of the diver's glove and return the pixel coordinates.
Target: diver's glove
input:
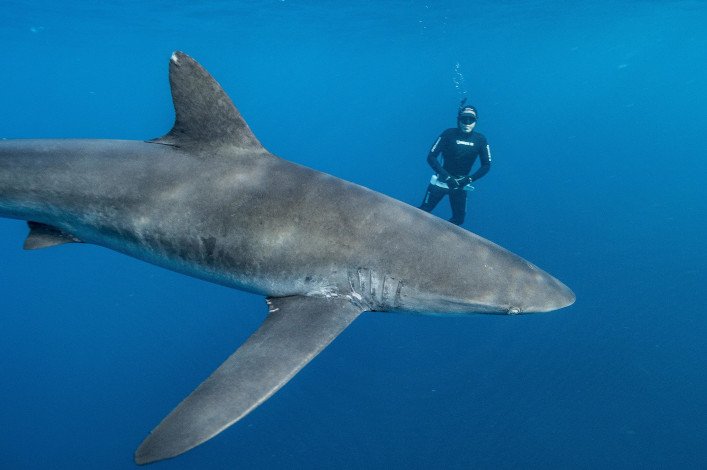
(464, 180)
(453, 183)
(446, 178)
(459, 182)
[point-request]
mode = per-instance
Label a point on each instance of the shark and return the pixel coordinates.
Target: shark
(208, 200)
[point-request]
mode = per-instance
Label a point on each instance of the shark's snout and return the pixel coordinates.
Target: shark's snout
(550, 294)
(566, 297)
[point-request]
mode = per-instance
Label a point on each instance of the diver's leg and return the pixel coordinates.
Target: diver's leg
(457, 199)
(433, 195)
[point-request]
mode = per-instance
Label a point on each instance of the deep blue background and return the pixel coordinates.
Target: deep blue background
(596, 117)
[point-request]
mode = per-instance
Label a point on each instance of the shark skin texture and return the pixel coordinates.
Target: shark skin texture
(320, 249)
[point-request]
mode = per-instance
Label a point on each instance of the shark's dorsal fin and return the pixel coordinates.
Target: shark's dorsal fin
(44, 236)
(205, 115)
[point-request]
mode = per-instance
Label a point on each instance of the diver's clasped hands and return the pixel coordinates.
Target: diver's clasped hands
(456, 182)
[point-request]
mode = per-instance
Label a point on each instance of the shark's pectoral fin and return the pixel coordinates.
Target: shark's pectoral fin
(44, 236)
(295, 331)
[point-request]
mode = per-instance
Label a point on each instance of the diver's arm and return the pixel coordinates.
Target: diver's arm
(485, 159)
(434, 162)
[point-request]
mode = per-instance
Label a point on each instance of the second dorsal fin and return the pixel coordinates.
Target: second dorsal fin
(205, 115)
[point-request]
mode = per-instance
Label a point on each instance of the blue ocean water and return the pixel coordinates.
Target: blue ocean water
(596, 118)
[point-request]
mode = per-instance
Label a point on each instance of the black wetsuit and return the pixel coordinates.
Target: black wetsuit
(459, 152)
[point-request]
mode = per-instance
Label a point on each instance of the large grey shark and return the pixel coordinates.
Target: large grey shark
(200, 201)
